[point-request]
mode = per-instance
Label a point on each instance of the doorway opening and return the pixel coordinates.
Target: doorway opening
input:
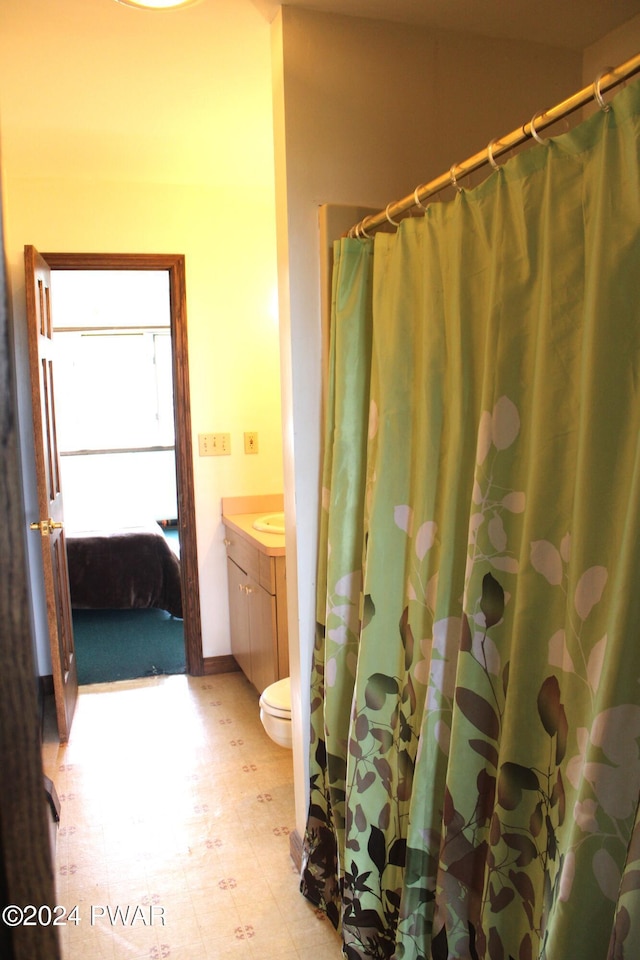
(127, 456)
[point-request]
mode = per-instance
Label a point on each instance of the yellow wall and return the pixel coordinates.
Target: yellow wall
(133, 131)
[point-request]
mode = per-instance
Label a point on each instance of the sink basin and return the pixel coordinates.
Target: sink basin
(270, 523)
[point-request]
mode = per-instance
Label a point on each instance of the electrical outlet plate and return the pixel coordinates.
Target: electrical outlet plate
(214, 444)
(251, 441)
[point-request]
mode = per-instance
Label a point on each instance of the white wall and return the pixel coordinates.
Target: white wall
(365, 111)
(133, 131)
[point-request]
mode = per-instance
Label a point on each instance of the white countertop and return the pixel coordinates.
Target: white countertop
(248, 510)
(242, 523)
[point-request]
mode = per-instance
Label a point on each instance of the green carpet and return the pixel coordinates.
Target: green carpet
(126, 644)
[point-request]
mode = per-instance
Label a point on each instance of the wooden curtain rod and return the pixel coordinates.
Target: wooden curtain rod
(610, 77)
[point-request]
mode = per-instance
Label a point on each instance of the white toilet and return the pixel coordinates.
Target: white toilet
(275, 712)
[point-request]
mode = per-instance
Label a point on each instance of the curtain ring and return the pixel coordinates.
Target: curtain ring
(452, 178)
(386, 213)
(597, 93)
(492, 159)
(358, 232)
(534, 132)
(417, 199)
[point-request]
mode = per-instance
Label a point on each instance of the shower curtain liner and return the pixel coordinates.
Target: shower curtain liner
(475, 704)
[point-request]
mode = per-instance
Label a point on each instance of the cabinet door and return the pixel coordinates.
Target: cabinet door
(239, 617)
(262, 627)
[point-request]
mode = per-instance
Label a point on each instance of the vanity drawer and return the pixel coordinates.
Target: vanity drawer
(243, 554)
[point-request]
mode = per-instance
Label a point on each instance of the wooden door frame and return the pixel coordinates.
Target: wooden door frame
(175, 265)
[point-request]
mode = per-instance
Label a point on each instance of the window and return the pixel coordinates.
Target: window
(114, 390)
(114, 386)
(114, 396)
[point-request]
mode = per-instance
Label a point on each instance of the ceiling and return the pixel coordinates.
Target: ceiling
(574, 24)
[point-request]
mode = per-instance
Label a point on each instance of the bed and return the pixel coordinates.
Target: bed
(122, 569)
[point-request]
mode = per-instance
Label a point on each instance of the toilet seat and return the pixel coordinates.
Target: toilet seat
(275, 712)
(276, 699)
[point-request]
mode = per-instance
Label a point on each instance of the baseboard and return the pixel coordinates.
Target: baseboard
(225, 664)
(212, 665)
(295, 849)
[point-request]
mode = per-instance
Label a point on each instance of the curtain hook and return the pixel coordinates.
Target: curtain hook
(597, 93)
(534, 132)
(492, 159)
(452, 178)
(358, 232)
(386, 213)
(417, 199)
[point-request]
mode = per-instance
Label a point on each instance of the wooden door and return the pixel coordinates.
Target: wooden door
(26, 869)
(49, 526)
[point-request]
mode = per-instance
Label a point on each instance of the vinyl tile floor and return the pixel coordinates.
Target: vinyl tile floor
(173, 841)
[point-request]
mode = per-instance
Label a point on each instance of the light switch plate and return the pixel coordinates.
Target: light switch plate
(214, 444)
(251, 441)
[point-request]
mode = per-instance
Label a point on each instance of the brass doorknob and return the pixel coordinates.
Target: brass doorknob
(46, 527)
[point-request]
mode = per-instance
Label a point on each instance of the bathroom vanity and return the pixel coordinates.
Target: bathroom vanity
(257, 589)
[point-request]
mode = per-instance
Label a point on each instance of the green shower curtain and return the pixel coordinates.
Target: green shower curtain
(475, 704)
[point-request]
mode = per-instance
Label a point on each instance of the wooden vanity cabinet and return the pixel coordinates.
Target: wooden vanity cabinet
(257, 611)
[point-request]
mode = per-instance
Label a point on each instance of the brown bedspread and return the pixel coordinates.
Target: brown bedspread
(133, 567)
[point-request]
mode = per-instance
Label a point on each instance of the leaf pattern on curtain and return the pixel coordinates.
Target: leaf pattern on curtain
(475, 711)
